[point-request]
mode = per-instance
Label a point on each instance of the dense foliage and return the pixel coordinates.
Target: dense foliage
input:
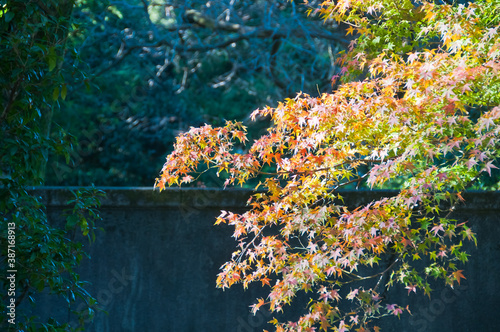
(418, 105)
(35, 255)
(159, 67)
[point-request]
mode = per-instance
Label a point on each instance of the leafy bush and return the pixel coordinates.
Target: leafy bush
(36, 255)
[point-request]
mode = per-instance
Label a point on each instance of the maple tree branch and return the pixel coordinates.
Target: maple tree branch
(394, 228)
(326, 168)
(383, 273)
(238, 260)
(356, 277)
(359, 179)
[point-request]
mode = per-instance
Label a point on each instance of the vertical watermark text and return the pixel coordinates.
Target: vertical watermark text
(11, 273)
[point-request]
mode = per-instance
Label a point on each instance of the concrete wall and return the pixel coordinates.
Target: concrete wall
(154, 266)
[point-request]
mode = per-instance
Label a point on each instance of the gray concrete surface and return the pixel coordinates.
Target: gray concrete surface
(154, 267)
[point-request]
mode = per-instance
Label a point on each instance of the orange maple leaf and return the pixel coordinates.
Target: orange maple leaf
(265, 281)
(458, 275)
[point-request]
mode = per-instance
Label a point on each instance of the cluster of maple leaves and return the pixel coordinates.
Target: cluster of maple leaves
(402, 112)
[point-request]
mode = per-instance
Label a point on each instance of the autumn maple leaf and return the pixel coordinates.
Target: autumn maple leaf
(457, 275)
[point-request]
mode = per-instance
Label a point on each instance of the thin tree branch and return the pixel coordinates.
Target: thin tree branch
(12, 96)
(243, 33)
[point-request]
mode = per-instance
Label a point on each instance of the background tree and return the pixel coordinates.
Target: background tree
(160, 67)
(33, 37)
(418, 104)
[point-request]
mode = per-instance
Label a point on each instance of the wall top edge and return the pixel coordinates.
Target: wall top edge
(147, 197)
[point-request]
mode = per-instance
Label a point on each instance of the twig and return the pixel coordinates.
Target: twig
(248, 245)
(12, 97)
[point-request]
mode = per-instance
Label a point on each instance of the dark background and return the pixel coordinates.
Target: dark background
(155, 68)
